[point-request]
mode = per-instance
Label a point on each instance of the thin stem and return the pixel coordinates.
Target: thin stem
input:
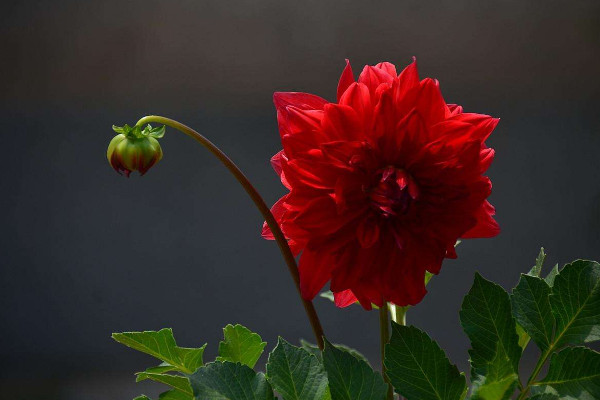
(398, 314)
(384, 330)
(535, 373)
(260, 204)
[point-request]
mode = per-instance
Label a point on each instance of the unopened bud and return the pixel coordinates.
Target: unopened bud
(134, 149)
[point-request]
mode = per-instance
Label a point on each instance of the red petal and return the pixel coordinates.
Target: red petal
(345, 298)
(303, 101)
(346, 80)
(277, 210)
(368, 232)
(487, 156)
(431, 104)
(315, 271)
(451, 251)
(373, 77)
(387, 67)
(341, 122)
(455, 109)
(406, 88)
(358, 97)
(385, 114)
(319, 216)
(277, 162)
(312, 172)
(486, 225)
(348, 154)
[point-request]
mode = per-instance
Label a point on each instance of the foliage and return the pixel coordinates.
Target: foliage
(559, 313)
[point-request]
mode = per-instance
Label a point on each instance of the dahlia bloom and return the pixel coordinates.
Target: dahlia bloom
(381, 184)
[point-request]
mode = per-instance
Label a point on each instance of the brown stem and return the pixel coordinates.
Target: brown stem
(262, 207)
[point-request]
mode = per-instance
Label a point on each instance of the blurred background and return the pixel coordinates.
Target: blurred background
(85, 252)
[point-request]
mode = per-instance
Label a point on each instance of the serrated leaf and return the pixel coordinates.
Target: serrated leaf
(179, 383)
(295, 373)
(229, 381)
(419, 369)
(486, 318)
(574, 373)
(530, 302)
(351, 378)
(162, 345)
(314, 350)
(500, 381)
(552, 275)
(536, 270)
(240, 345)
(575, 303)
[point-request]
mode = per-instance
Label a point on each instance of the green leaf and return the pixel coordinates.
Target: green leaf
(486, 318)
(544, 396)
(161, 369)
(179, 383)
(490, 389)
(143, 396)
(536, 270)
(295, 373)
(175, 395)
(314, 350)
(229, 381)
(523, 337)
(574, 373)
(500, 381)
(418, 369)
(531, 307)
(162, 345)
(552, 275)
(575, 302)
(351, 378)
(240, 345)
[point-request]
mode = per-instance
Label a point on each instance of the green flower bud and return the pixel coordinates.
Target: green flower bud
(134, 149)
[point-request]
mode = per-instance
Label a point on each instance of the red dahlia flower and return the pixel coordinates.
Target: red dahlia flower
(382, 184)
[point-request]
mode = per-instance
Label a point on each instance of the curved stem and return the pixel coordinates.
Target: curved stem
(384, 331)
(260, 204)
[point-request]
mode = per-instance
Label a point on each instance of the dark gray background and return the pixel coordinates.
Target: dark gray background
(85, 252)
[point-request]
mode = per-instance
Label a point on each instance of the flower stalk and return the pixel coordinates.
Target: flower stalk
(260, 204)
(384, 330)
(398, 314)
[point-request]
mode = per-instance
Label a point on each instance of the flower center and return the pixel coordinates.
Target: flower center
(393, 191)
